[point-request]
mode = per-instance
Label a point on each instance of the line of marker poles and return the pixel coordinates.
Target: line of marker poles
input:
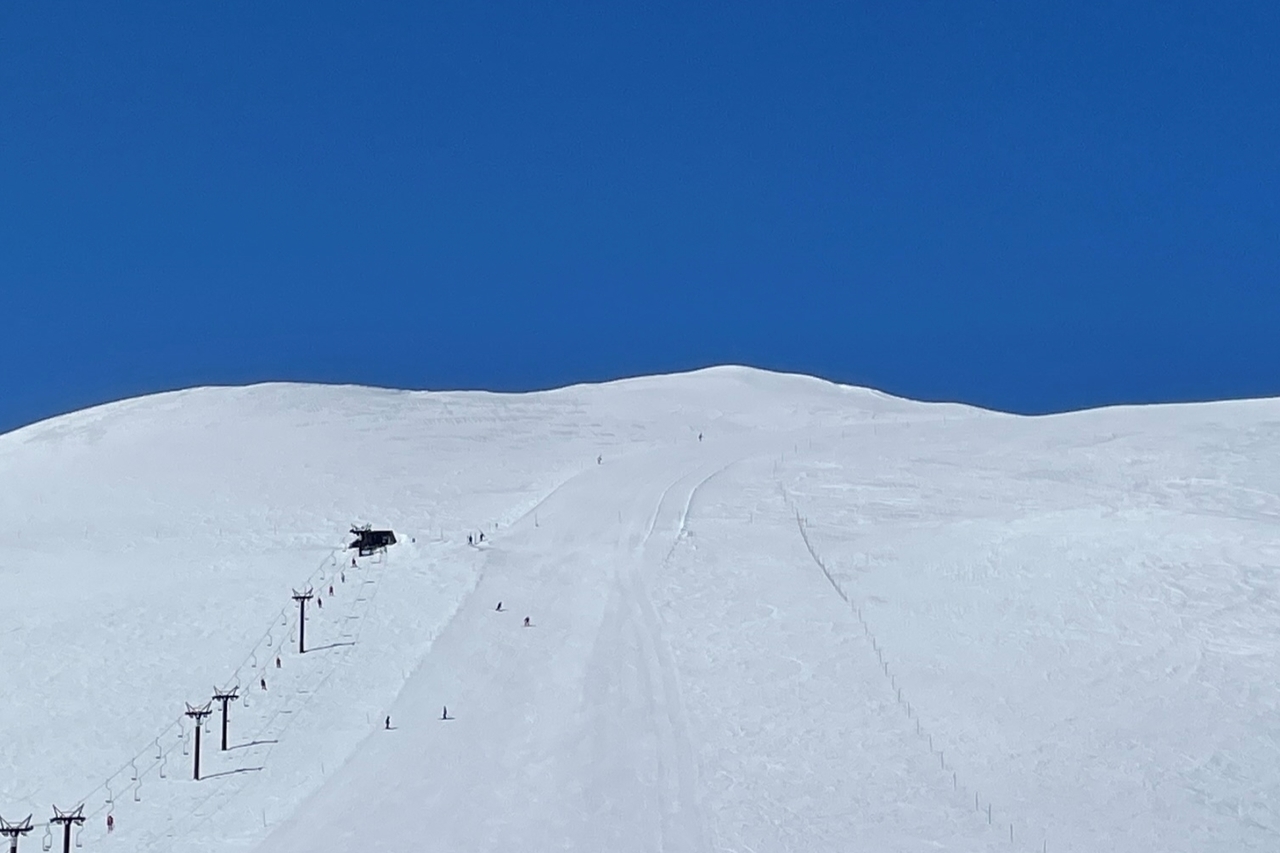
(955, 781)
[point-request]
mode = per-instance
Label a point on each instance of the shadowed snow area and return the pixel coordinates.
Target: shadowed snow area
(838, 620)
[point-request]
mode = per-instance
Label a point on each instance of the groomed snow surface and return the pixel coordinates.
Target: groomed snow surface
(839, 621)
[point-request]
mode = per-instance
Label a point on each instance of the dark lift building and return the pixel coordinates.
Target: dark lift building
(369, 541)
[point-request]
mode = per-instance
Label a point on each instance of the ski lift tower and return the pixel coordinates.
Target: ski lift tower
(198, 714)
(225, 697)
(302, 598)
(13, 830)
(66, 819)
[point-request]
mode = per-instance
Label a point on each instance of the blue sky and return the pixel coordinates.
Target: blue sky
(1029, 206)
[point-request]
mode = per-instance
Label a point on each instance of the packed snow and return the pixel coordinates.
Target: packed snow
(766, 613)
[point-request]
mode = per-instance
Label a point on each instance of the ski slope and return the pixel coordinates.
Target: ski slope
(836, 621)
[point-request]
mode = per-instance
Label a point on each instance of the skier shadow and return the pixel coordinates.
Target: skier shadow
(248, 744)
(233, 772)
(331, 646)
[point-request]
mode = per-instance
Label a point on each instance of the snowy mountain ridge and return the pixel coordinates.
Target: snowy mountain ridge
(766, 612)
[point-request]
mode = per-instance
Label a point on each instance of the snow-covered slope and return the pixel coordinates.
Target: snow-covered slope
(840, 620)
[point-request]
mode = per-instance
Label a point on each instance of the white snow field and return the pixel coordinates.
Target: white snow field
(840, 621)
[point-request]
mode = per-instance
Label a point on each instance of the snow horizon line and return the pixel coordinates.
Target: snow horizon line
(705, 370)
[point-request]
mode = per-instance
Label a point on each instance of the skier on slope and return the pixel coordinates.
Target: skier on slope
(387, 724)
(263, 682)
(499, 607)
(526, 622)
(277, 664)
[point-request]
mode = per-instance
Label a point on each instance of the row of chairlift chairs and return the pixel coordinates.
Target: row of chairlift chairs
(366, 543)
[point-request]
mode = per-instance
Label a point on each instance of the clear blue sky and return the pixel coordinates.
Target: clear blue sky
(1029, 206)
